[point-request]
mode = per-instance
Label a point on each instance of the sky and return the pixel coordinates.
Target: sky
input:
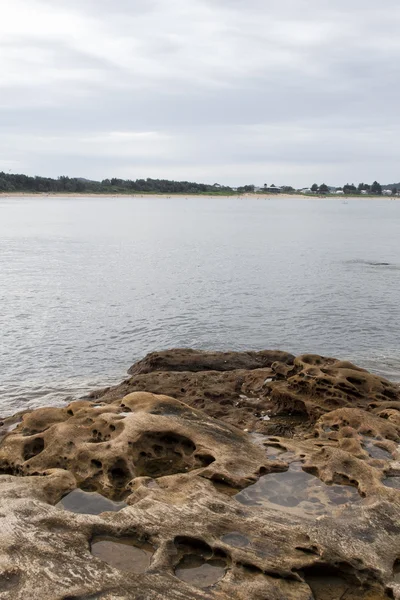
(284, 92)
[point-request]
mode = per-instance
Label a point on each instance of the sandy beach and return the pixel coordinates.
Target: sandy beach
(168, 196)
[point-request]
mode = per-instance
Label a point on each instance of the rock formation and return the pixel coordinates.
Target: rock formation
(243, 476)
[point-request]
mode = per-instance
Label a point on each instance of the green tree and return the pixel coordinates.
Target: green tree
(323, 188)
(4, 185)
(376, 188)
(349, 188)
(314, 187)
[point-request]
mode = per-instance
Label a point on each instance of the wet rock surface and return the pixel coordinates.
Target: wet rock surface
(208, 476)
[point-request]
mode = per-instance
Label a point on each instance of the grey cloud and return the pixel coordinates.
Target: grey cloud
(300, 88)
(109, 8)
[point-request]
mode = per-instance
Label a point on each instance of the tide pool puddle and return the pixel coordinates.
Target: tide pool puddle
(235, 539)
(123, 554)
(89, 503)
(329, 586)
(277, 452)
(375, 451)
(297, 491)
(392, 482)
(195, 570)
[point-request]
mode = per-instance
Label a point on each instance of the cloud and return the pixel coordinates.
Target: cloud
(288, 90)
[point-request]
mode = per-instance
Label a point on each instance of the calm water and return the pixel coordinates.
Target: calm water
(90, 285)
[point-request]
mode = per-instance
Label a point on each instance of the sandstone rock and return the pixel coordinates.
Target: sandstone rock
(107, 446)
(297, 391)
(197, 360)
(306, 506)
(51, 549)
(317, 385)
(237, 397)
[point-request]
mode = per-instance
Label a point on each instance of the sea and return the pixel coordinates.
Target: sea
(89, 285)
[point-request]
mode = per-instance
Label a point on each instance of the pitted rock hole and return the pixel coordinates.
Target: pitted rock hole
(89, 503)
(124, 554)
(199, 573)
(198, 564)
(396, 571)
(9, 581)
(33, 448)
(327, 583)
(119, 474)
(167, 453)
(298, 492)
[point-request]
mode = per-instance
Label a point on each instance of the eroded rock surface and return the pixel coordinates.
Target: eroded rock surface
(287, 495)
(107, 446)
(185, 359)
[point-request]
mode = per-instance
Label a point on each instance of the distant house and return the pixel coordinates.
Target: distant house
(272, 190)
(387, 192)
(339, 192)
(364, 192)
(305, 191)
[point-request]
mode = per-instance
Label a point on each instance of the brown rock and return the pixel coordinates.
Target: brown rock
(237, 397)
(295, 391)
(317, 516)
(185, 359)
(107, 446)
(317, 385)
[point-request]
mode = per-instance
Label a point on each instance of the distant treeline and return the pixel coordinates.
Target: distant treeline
(23, 183)
(10, 182)
(375, 189)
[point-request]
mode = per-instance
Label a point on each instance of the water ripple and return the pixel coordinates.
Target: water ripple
(89, 286)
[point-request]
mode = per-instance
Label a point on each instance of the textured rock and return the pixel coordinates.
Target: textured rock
(183, 359)
(237, 397)
(206, 501)
(316, 385)
(297, 391)
(107, 446)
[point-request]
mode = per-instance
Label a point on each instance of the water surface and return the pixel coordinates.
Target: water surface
(89, 285)
(123, 553)
(89, 503)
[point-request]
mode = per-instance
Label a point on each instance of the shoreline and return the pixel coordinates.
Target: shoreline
(170, 196)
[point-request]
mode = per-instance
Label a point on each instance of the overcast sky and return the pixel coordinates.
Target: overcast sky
(228, 91)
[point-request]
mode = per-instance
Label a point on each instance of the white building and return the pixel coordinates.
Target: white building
(339, 192)
(387, 192)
